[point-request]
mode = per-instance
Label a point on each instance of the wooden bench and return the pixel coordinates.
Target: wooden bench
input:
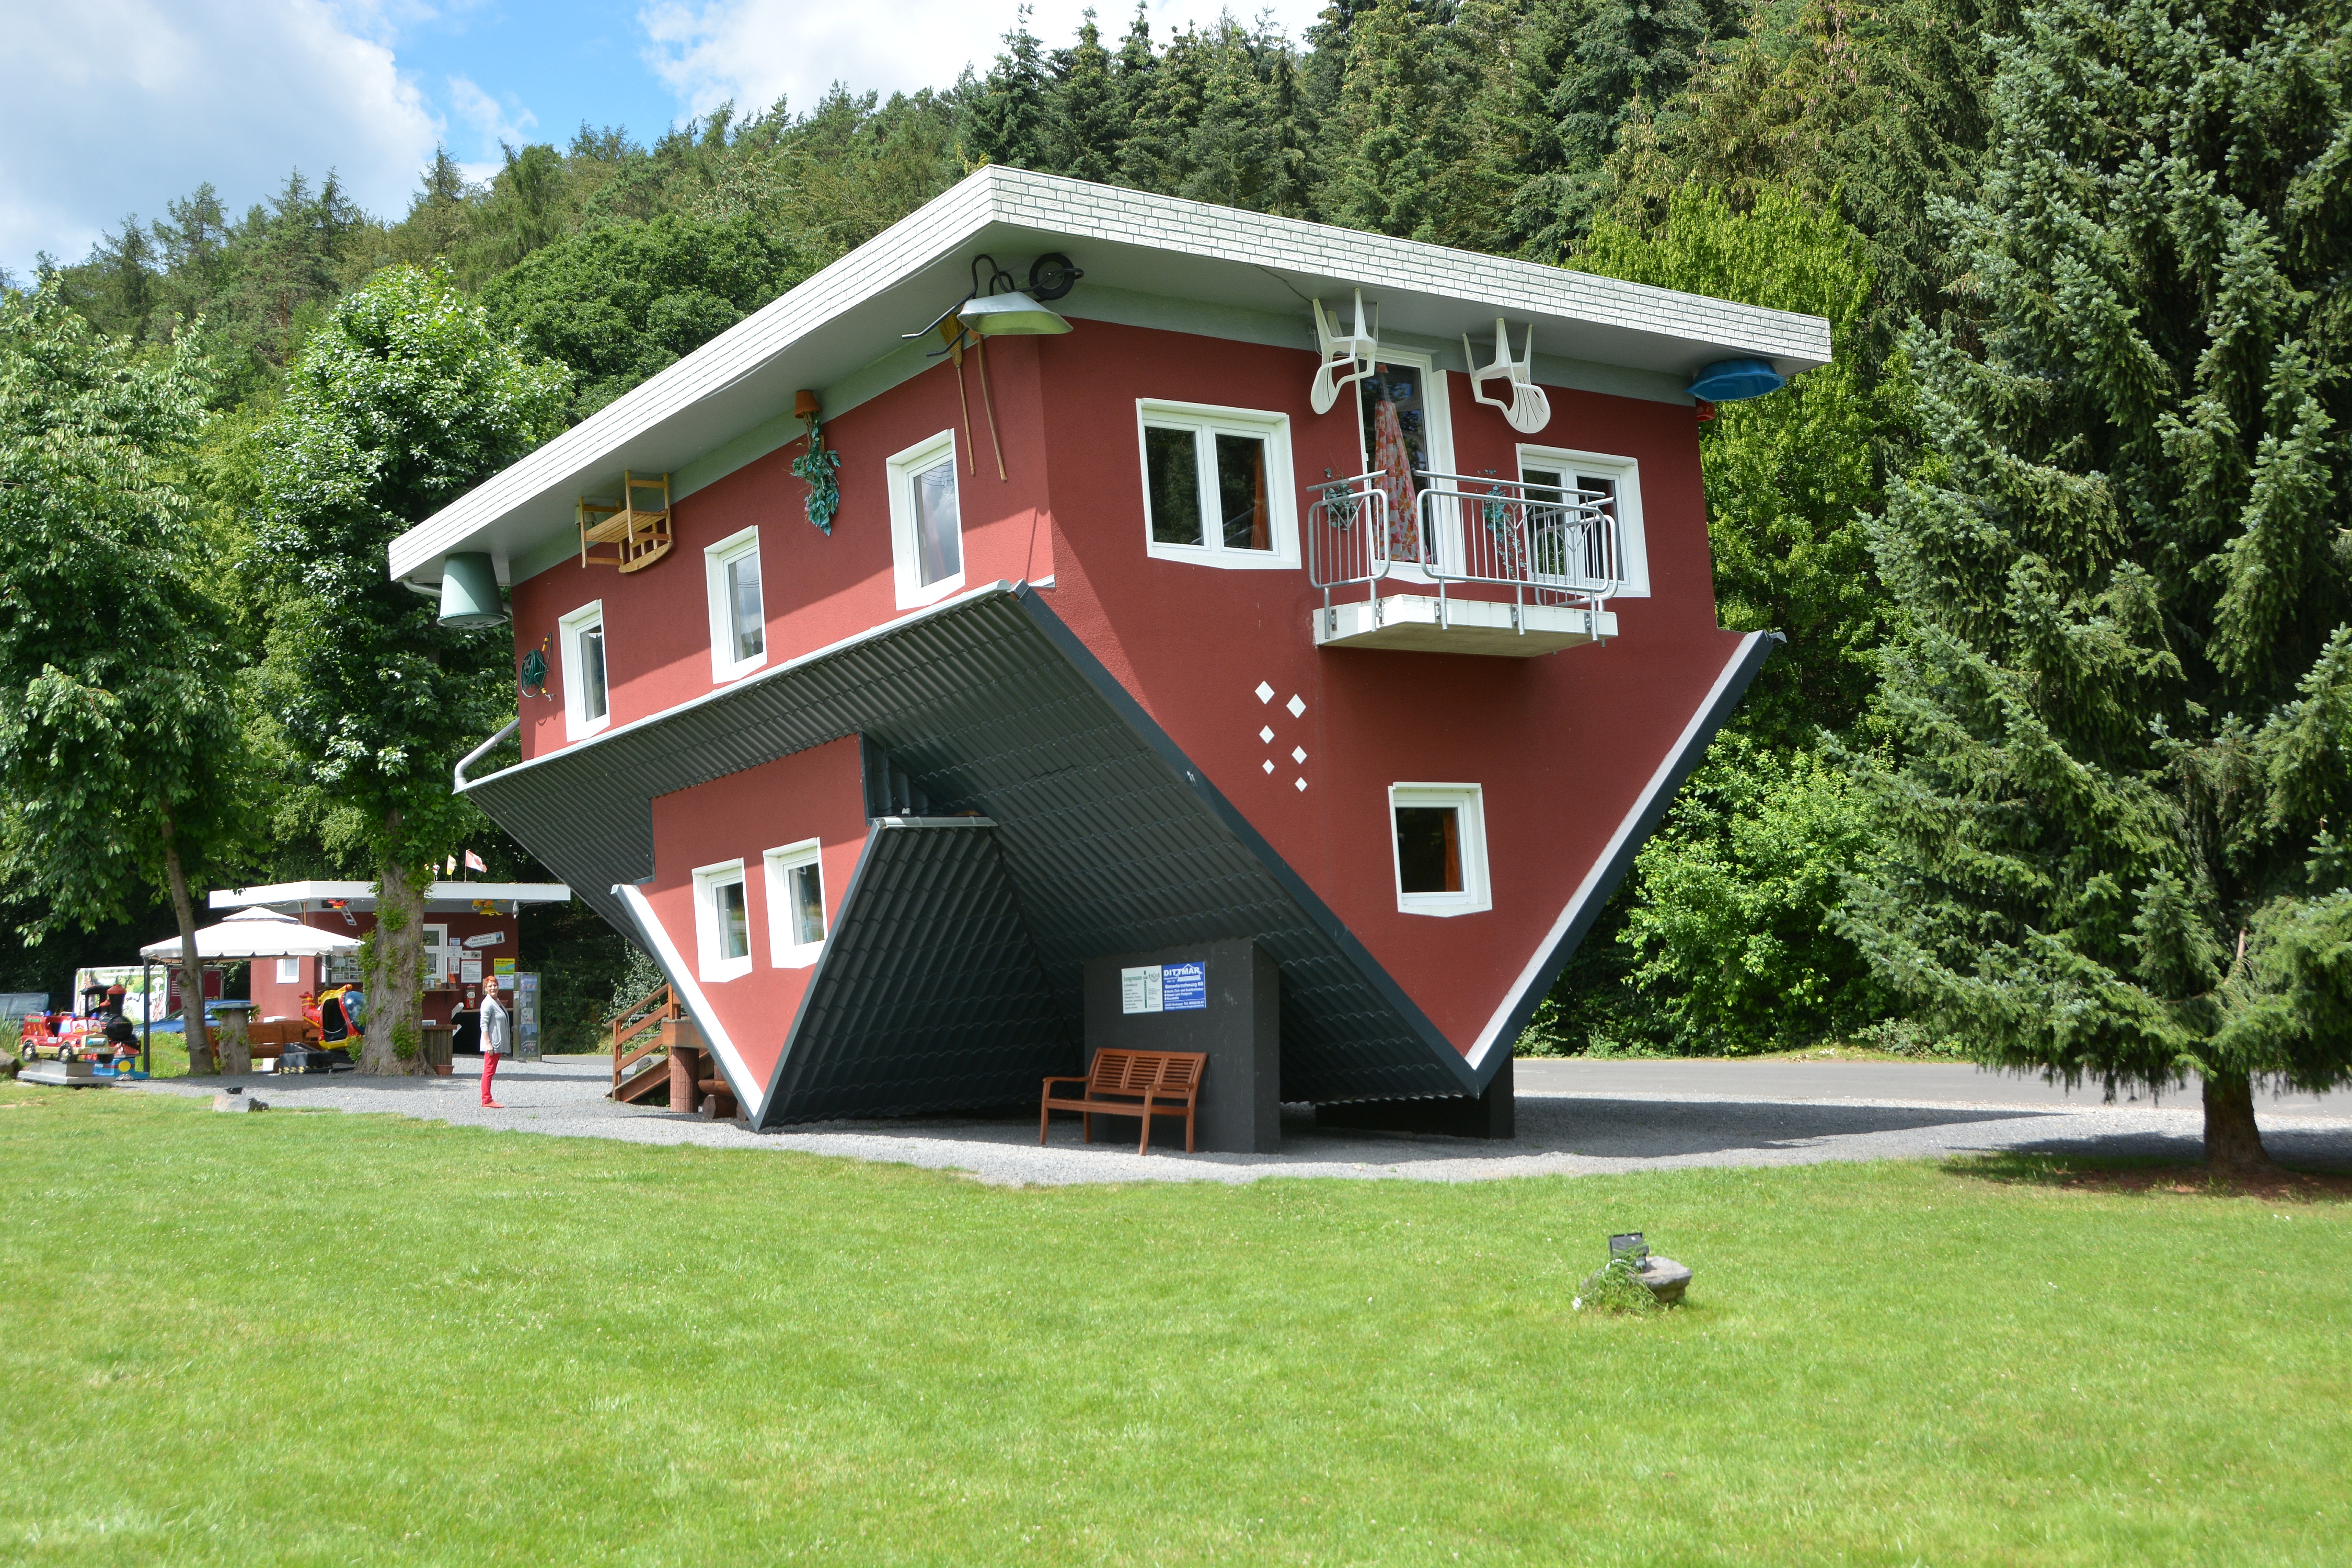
(1142, 1084)
(270, 1037)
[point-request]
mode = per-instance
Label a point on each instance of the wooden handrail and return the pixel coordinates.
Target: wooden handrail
(647, 1012)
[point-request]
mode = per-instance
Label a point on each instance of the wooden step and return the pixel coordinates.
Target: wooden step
(649, 1087)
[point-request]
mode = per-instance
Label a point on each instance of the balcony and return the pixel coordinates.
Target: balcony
(1556, 549)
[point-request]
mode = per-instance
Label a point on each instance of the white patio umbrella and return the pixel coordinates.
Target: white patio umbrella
(254, 933)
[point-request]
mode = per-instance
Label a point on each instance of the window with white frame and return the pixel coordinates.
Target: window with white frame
(1410, 382)
(925, 522)
(1216, 486)
(739, 625)
(1617, 484)
(722, 920)
(795, 905)
(1439, 833)
(441, 956)
(290, 971)
(587, 700)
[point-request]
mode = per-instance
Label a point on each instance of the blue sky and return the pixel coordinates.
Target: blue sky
(118, 106)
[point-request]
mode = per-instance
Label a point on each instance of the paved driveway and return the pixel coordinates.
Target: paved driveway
(1574, 1118)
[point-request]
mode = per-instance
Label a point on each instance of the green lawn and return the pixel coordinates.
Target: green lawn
(319, 1338)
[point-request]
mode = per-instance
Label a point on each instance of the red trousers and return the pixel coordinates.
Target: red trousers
(490, 1071)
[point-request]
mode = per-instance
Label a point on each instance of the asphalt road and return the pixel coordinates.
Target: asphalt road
(1574, 1118)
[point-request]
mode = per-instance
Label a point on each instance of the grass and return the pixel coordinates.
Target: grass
(319, 1338)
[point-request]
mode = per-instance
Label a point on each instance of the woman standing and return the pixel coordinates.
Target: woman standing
(494, 1036)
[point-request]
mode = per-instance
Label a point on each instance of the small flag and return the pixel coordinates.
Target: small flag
(473, 862)
(453, 866)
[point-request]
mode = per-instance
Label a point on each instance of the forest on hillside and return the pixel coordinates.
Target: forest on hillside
(2084, 267)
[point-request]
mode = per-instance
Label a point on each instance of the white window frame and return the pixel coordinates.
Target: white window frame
(1281, 498)
(1468, 800)
(785, 858)
(906, 555)
(577, 725)
(435, 956)
(712, 966)
(715, 560)
(1438, 402)
(1633, 544)
(290, 971)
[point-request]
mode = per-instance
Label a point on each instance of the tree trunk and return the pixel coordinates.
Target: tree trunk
(393, 1041)
(2233, 1141)
(192, 968)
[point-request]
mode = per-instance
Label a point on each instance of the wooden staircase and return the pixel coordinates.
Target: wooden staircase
(639, 1036)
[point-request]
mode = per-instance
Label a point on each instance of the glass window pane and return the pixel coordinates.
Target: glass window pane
(1241, 492)
(1174, 486)
(734, 927)
(743, 606)
(593, 701)
(1596, 561)
(939, 526)
(1429, 848)
(804, 891)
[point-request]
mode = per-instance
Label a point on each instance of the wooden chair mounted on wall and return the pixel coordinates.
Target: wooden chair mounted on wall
(625, 535)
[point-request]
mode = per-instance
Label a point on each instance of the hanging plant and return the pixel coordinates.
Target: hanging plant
(816, 467)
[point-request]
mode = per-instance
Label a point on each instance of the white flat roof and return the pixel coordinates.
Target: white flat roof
(849, 316)
(361, 895)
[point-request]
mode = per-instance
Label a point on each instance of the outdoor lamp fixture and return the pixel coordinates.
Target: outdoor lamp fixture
(1730, 380)
(469, 591)
(999, 310)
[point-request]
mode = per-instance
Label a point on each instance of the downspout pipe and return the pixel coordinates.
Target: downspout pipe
(479, 753)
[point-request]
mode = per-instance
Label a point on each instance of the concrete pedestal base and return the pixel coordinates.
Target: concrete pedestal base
(1487, 1116)
(1234, 1016)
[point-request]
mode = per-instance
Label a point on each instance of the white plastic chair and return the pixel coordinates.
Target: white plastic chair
(1354, 354)
(1526, 409)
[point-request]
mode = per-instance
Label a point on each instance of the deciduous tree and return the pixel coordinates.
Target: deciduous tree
(403, 401)
(121, 751)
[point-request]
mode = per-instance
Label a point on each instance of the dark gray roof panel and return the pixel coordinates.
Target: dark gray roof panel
(1110, 840)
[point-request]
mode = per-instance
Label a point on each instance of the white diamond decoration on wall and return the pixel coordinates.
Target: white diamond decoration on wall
(1266, 692)
(1298, 753)
(1297, 705)
(1266, 734)
(1269, 764)
(1302, 783)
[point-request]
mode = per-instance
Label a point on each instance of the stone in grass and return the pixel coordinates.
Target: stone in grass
(1664, 1278)
(237, 1099)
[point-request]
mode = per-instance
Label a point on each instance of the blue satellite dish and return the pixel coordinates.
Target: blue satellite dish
(1730, 380)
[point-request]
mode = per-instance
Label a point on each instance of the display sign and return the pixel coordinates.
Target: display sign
(526, 1015)
(1184, 987)
(504, 966)
(471, 972)
(1164, 988)
(487, 939)
(1138, 989)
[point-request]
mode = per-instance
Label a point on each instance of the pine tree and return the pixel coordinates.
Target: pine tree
(1084, 125)
(2121, 709)
(1006, 122)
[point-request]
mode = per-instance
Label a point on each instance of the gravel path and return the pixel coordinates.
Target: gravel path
(1575, 1117)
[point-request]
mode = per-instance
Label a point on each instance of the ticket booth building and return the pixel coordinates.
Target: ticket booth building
(469, 926)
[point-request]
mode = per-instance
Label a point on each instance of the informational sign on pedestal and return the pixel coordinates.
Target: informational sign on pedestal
(1220, 999)
(1164, 988)
(526, 1015)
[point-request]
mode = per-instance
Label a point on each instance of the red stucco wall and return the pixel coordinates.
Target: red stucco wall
(817, 793)
(274, 1000)
(1562, 745)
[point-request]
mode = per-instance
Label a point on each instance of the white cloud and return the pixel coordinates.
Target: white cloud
(495, 122)
(137, 101)
(753, 51)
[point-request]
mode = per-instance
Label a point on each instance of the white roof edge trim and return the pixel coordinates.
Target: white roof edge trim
(773, 672)
(1057, 204)
(295, 892)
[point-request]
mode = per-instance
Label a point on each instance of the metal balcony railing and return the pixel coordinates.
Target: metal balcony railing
(1547, 544)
